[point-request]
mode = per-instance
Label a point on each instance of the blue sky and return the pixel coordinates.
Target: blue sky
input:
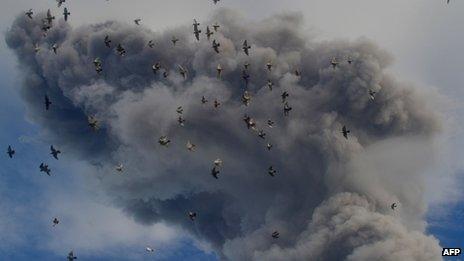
(31, 199)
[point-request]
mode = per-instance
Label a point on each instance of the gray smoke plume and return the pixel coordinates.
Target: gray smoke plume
(331, 197)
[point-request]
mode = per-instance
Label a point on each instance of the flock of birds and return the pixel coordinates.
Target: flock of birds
(93, 123)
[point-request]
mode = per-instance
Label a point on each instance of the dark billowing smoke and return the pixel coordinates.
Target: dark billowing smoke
(331, 197)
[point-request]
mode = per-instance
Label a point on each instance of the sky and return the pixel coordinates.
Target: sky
(423, 37)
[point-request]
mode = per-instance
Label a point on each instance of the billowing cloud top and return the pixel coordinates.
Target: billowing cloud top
(326, 201)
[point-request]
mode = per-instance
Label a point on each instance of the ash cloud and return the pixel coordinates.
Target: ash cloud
(326, 202)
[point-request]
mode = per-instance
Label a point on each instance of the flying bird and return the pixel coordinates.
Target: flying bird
(93, 123)
(164, 141)
(269, 146)
(269, 66)
(181, 121)
(271, 171)
(71, 256)
(165, 74)
(208, 33)
(55, 47)
(149, 249)
(275, 234)
(54, 152)
(196, 31)
(270, 123)
(216, 104)
(246, 98)
(174, 40)
(287, 109)
(182, 71)
(44, 168)
(151, 44)
(29, 13)
(372, 94)
(55, 222)
(190, 146)
(10, 152)
(345, 132)
(284, 96)
(49, 18)
(156, 67)
(215, 172)
(349, 60)
(216, 46)
(216, 27)
(120, 167)
(334, 62)
(66, 14)
(120, 50)
(216, 1)
(394, 206)
(246, 47)
(219, 70)
(270, 84)
(192, 215)
(137, 21)
(262, 134)
(36, 48)
(180, 110)
(107, 41)
(47, 102)
(250, 123)
(203, 100)
(245, 76)
(98, 65)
